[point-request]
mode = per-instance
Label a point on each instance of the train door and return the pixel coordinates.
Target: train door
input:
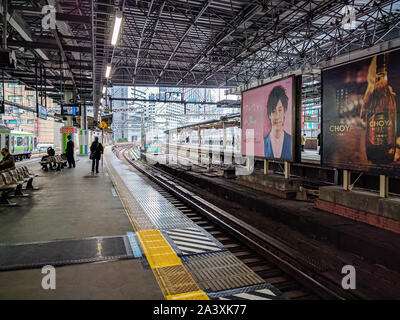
(30, 143)
(2, 142)
(7, 141)
(26, 144)
(13, 144)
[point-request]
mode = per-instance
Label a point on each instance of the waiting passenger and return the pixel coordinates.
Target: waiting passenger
(303, 141)
(51, 153)
(70, 152)
(96, 150)
(319, 143)
(8, 161)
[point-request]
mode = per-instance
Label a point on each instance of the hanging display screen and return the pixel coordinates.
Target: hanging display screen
(42, 111)
(71, 110)
(361, 115)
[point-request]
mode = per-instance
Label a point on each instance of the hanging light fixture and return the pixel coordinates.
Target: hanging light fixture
(117, 27)
(108, 71)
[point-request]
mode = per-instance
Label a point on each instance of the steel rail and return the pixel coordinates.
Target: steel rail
(300, 276)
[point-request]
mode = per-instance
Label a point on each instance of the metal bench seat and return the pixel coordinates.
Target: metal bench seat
(7, 185)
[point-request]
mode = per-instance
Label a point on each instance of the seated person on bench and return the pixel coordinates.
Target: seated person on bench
(51, 153)
(8, 161)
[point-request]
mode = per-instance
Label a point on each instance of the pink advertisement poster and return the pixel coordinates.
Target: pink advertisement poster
(267, 121)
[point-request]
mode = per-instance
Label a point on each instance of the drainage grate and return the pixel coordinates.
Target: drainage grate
(220, 271)
(64, 252)
(175, 280)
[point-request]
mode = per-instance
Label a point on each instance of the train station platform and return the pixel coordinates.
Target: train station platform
(187, 261)
(114, 235)
(77, 223)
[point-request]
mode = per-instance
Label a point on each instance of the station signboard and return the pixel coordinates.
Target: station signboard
(71, 110)
(311, 119)
(268, 121)
(42, 111)
(360, 115)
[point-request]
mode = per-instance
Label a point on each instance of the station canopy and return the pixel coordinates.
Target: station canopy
(184, 43)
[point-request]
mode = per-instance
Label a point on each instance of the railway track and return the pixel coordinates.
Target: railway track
(266, 256)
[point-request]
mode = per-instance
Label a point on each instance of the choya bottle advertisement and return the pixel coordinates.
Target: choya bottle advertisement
(360, 105)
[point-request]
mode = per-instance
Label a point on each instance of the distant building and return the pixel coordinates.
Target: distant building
(120, 112)
(45, 131)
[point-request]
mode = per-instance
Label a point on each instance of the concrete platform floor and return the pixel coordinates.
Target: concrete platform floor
(72, 204)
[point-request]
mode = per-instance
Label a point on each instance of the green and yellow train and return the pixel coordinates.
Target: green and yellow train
(19, 143)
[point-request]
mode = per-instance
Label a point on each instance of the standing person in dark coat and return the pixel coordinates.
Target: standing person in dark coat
(319, 143)
(70, 152)
(96, 150)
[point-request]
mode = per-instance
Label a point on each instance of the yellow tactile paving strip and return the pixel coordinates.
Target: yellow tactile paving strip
(195, 295)
(175, 281)
(158, 252)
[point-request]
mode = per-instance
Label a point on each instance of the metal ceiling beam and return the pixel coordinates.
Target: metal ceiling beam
(48, 46)
(198, 16)
(64, 57)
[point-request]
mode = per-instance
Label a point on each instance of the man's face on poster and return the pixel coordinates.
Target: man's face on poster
(277, 117)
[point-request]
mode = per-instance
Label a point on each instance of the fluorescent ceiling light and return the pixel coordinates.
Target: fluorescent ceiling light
(117, 27)
(108, 71)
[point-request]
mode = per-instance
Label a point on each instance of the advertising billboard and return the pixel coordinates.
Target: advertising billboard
(360, 115)
(268, 126)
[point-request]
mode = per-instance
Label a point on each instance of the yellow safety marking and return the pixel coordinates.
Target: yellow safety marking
(158, 252)
(195, 295)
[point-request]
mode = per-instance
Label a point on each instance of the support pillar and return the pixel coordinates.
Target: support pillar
(224, 135)
(266, 165)
(287, 170)
(383, 186)
(83, 133)
(68, 128)
(199, 145)
(346, 179)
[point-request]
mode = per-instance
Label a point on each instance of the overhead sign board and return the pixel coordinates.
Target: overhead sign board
(311, 119)
(71, 110)
(42, 111)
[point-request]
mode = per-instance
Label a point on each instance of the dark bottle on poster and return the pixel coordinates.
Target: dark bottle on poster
(381, 118)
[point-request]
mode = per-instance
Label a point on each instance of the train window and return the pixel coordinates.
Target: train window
(26, 144)
(19, 141)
